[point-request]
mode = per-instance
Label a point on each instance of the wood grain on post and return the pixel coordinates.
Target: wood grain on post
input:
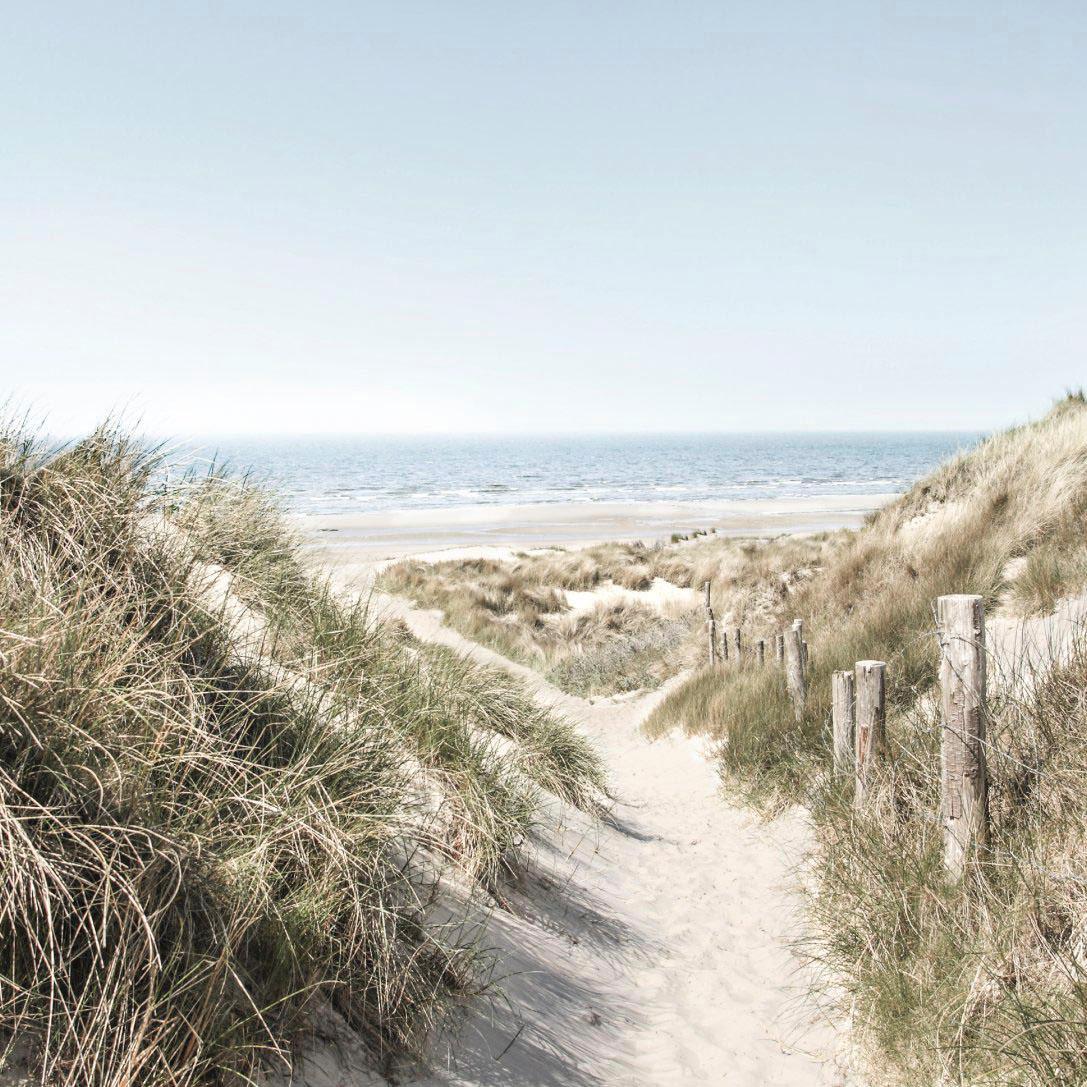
(965, 785)
(779, 648)
(794, 670)
(711, 627)
(842, 716)
(870, 724)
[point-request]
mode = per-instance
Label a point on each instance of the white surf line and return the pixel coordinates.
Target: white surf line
(652, 950)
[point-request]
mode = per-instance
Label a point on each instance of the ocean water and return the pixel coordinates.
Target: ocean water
(324, 475)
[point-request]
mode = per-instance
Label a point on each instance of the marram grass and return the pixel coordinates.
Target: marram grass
(228, 798)
(983, 982)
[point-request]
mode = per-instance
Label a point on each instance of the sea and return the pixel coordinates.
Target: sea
(344, 475)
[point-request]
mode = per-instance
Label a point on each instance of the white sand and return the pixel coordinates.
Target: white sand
(1019, 651)
(661, 596)
(388, 532)
(652, 950)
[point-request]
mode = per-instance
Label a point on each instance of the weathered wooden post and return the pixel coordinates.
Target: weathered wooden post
(737, 645)
(871, 716)
(965, 784)
(711, 626)
(794, 670)
(760, 651)
(724, 643)
(842, 716)
(779, 648)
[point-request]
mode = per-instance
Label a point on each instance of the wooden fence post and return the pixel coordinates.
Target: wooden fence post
(760, 651)
(724, 643)
(964, 779)
(779, 648)
(871, 715)
(843, 718)
(711, 627)
(737, 645)
(794, 670)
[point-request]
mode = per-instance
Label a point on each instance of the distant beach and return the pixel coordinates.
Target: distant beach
(394, 495)
(388, 533)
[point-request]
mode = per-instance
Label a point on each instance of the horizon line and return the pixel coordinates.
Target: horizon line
(519, 435)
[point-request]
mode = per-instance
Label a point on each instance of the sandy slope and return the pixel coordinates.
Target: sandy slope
(653, 949)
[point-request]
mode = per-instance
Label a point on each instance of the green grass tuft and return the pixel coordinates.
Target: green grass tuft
(227, 797)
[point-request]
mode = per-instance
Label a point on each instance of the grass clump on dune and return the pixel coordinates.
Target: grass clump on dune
(983, 982)
(229, 800)
(972, 527)
(520, 609)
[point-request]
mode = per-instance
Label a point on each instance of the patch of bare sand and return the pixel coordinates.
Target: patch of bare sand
(661, 596)
(1021, 650)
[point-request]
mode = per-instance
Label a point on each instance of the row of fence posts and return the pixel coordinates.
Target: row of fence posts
(731, 645)
(859, 714)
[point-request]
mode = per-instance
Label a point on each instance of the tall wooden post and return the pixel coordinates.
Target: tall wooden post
(870, 679)
(842, 716)
(711, 627)
(965, 785)
(794, 670)
(760, 651)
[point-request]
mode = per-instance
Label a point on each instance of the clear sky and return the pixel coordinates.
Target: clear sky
(456, 216)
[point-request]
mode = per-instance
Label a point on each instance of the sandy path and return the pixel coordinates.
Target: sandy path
(653, 949)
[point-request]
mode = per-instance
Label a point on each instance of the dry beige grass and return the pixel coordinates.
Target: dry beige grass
(228, 799)
(983, 982)
(519, 608)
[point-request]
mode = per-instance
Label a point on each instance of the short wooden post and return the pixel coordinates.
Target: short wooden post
(779, 648)
(842, 716)
(794, 670)
(711, 627)
(724, 643)
(871, 715)
(965, 785)
(737, 644)
(760, 651)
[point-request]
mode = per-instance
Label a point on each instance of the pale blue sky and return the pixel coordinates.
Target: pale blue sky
(547, 216)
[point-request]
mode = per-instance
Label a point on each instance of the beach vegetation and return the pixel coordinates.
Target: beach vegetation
(983, 980)
(646, 620)
(232, 804)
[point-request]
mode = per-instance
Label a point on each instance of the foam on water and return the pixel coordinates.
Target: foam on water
(326, 475)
